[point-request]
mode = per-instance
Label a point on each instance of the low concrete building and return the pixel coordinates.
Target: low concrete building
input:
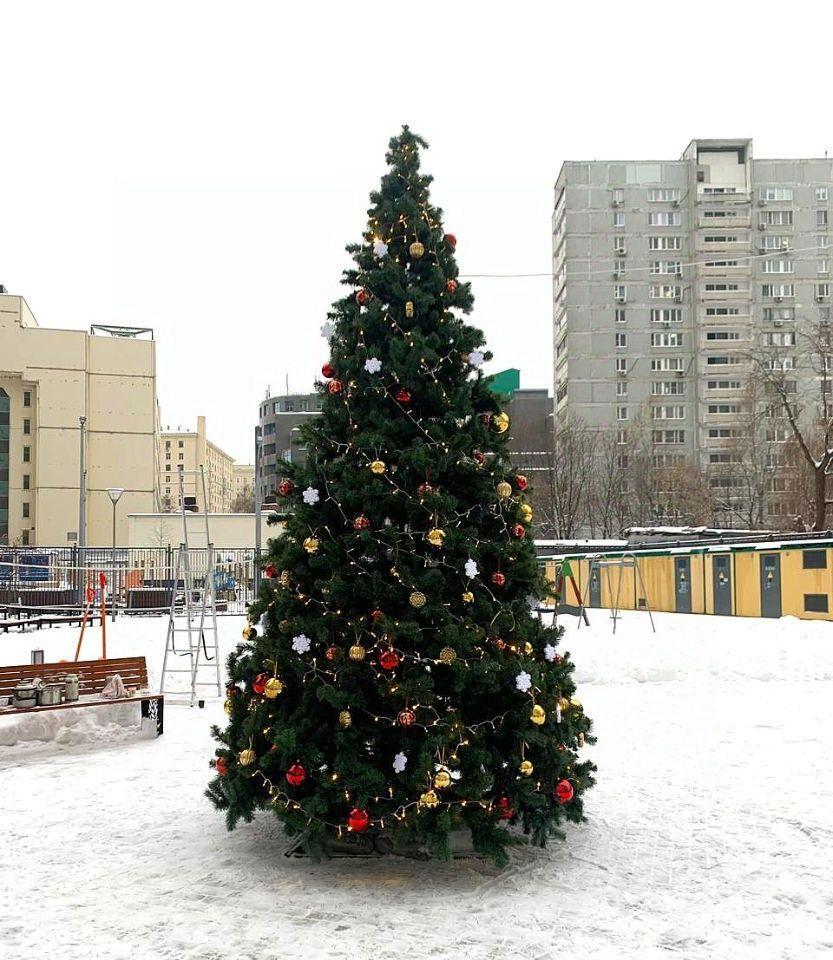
(49, 379)
(227, 530)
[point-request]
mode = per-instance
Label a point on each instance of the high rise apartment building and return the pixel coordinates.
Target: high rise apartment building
(190, 450)
(669, 274)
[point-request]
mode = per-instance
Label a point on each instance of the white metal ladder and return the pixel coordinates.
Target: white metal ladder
(195, 616)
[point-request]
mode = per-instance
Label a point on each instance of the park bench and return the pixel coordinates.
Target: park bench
(92, 677)
(37, 622)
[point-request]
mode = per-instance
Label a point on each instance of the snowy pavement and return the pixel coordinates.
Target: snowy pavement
(710, 832)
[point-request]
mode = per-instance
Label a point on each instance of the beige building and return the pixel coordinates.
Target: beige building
(244, 480)
(48, 380)
(190, 450)
(227, 530)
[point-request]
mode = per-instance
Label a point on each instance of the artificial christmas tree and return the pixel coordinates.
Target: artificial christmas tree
(395, 681)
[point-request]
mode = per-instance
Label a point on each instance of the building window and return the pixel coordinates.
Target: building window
(779, 314)
(777, 290)
(27, 426)
(663, 195)
(621, 388)
(167, 468)
(617, 196)
(777, 266)
(723, 335)
(822, 291)
(181, 444)
(25, 510)
(619, 245)
(662, 219)
(723, 408)
(621, 316)
(621, 365)
(27, 398)
(822, 266)
(665, 291)
(666, 339)
(667, 268)
(24, 538)
(775, 193)
(668, 436)
(618, 218)
(622, 436)
(815, 603)
(665, 243)
(821, 194)
(621, 413)
(821, 218)
(667, 363)
(621, 340)
(181, 456)
(814, 559)
(666, 315)
(620, 292)
(779, 339)
(776, 218)
(27, 454)
(26, 481)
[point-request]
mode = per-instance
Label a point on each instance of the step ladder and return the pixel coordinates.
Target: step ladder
(191, 644)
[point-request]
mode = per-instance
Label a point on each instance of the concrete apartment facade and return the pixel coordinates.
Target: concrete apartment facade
(48, 379)
(668, 273)
(279, 423)
(190, 450)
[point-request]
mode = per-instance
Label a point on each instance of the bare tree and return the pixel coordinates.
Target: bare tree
(569, 477)
(244, 501)
(798, 382)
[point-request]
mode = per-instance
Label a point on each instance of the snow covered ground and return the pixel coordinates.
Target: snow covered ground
(710, 832)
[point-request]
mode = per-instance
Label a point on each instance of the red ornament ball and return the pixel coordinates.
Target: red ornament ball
(403, 397)
(521, 482)
(518, 531)
(406, 717)
(389, 660)
(358, 820)
(327, 370)
(377, 615)
(478, 456)
(499, 643)
(505, 809)
(564, 792)
(259, 683)
(451, 240)
(221, 766)
(498, 579)
(361, 522)
(285, 488)
(296, 775)
(451, 286)
(363, 297)
(335, 386)
(424, 489)
(332, 653)
(271, 571)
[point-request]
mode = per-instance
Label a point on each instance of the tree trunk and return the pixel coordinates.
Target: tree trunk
(820, 498)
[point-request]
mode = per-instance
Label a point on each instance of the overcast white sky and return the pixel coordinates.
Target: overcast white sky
(199, 167)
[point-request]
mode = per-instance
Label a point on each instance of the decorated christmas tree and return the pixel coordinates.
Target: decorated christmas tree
(396, 682)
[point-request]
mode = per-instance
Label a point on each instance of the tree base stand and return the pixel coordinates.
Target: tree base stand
(370, 846)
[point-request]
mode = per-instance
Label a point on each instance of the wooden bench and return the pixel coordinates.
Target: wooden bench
(92, 677)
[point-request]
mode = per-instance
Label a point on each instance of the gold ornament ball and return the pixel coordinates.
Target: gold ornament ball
(416, 249)
(448, 655)
(249, 632)
(500, 422)
(311, 545)
(284, 579)
(357, 652)
(273, 688)
(538, 715)
(575, 704)
(344, 719)
(417, 599)
(429, 799)
(504, 490)
(526, 768)
(435, 537)
(246, 758)
(442, 779)
(409, 309)
(377, 467)
(227, 708)
(468, 597)
(528, 648)
(525, 512)
(563, 704)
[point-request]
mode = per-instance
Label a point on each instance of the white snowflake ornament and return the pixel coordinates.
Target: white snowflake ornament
(523, 681)
(471, 569)
(532, 602)
(311, 496)
(301, 643)
(400, 761)
(380, 248)
(476, 358)
(373, 364)
(327, 331)
(549, 652)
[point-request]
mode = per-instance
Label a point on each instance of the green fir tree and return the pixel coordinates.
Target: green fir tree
(396, 681)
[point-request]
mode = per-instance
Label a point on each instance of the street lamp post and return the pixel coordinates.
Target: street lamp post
(114, 493)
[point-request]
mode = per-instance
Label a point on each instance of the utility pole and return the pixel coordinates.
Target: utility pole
(82, 485)
(258, 508)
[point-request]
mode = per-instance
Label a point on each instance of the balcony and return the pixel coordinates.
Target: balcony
(730, 218)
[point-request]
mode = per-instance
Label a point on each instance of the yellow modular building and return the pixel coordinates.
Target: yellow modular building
(48, 380)
(790, 578)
